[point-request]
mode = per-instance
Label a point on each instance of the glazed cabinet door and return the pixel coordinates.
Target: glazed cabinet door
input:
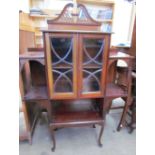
(93, 62)
(61, 65)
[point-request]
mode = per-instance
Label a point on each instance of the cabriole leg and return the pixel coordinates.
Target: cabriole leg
(100, 135)
(53, 139)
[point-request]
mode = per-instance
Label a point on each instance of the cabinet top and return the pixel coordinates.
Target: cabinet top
(75, 31)
(75, 20)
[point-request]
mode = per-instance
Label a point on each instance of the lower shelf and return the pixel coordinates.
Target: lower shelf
(76, 116)
(76, 113)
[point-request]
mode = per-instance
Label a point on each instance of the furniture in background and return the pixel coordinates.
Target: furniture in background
(119, 82)
(113, 73)
(40, 12)
(70, 81)
(29, 113)
(35, 96)
(132, 109)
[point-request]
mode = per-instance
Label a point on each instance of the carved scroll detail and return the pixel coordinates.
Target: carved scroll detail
(67, 17)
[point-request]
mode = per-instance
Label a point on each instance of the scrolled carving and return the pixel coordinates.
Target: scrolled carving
(68, 17)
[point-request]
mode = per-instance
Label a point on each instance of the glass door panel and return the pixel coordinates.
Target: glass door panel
(63, 80)
(92, 52)
(62, 64)
(91, 80)
(92, 61)
(61, 60)
(61, 51)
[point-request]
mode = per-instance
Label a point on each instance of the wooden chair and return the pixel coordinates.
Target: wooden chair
(119, 84)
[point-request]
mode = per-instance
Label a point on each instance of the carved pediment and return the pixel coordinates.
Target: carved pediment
(81, 16)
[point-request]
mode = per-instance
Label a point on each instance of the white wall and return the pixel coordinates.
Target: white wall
(51, 4)
(24, 5)
(122, 22)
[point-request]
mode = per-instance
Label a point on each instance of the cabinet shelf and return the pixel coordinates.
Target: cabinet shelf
(32, 55)
(39, 53)
(75, 112)
(36, 93)
(75, 117)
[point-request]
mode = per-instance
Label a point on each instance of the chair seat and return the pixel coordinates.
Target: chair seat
(114, 90)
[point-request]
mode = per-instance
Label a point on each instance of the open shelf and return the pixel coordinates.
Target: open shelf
(39, 53)
(113, 90)
(36, 93)
(75, 112)
(32, 55)
(77, 116)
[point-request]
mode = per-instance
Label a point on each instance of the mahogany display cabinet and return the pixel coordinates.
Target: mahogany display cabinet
(69, 75)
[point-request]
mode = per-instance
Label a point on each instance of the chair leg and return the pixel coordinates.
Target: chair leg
(100, 135)
(122, 121)
(131, 129)
(110, 104)
(53, 139)
(132, 125)
(30, 138)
